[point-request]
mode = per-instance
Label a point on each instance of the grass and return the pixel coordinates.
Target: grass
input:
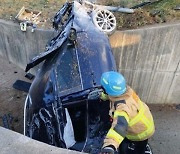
(123, 3)
(158, 12)
(10, 8)
(166, 9)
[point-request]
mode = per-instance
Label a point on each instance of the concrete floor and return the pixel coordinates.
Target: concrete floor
(16, 143)
(166, 139)
(11, 100)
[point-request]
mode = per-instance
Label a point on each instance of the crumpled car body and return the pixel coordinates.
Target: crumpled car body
(58, 109)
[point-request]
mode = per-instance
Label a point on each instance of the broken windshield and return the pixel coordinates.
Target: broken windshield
(68, 75)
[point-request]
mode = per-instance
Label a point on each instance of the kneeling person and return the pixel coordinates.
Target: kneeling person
(132, 123)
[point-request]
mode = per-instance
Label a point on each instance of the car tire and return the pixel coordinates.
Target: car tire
(104, 20)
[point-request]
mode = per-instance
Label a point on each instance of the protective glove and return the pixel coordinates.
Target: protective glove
(95, 94)
(108, 150)
(103, 96)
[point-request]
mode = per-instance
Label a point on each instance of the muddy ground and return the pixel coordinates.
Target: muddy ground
(163, 11)
(11, 100)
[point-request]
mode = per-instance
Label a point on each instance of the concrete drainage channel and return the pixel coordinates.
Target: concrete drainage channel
(17, 143)
(11, 100)
(11, 116)
(167, 137)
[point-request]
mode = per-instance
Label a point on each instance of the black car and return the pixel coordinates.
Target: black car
(62, 107)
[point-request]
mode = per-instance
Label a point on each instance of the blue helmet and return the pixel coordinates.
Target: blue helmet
(113, 83)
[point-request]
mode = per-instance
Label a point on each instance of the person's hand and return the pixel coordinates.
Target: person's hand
(103, 96)
(107, 150)
(95, 94)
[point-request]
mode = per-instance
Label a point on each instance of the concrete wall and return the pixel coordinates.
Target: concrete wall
(15, 143)
(150, 60)
(20, 47)
(148, 57)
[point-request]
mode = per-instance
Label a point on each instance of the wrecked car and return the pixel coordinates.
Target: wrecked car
(62, 107)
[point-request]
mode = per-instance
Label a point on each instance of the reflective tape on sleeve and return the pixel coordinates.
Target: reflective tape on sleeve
(122, 113)
(143, 135)
(115, 136)
(139, 115)
(104, 97)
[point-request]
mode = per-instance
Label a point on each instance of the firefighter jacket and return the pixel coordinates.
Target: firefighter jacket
(131, 119)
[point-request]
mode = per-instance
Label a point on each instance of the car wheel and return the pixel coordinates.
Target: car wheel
(104, 20)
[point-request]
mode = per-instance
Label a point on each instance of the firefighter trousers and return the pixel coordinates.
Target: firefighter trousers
(132, 147)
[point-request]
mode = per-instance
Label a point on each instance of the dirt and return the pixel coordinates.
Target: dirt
(11, 109)
(159, 12)
(11, 100)
(10, 8)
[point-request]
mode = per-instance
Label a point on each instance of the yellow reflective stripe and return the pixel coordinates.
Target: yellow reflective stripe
(124, 114)
(139, 115)
(117, 88)
(148, 123)
(114, 135)
(145, 121)
(104, 97)
(105, 81)
(143, 135)
(150, 128)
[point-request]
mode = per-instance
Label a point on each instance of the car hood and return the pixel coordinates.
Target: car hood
(93, 49)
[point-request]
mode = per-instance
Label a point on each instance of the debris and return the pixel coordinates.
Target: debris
(110, 8)
(29, 76)
(118, 9)
(178, 107)
(18, 97)
(28, 17)
(23, 26)
(16, 120)
(22, 85)
(141, 5)
(7, 121)
(177, 8)
(145, 3)
(33, 28)
(72, 36)
(153, 13)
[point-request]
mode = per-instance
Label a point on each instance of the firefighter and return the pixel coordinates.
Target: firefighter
(132, 124)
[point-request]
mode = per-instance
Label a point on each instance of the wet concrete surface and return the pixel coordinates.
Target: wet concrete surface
(166, 139)
(11, 100)
(16, 143)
